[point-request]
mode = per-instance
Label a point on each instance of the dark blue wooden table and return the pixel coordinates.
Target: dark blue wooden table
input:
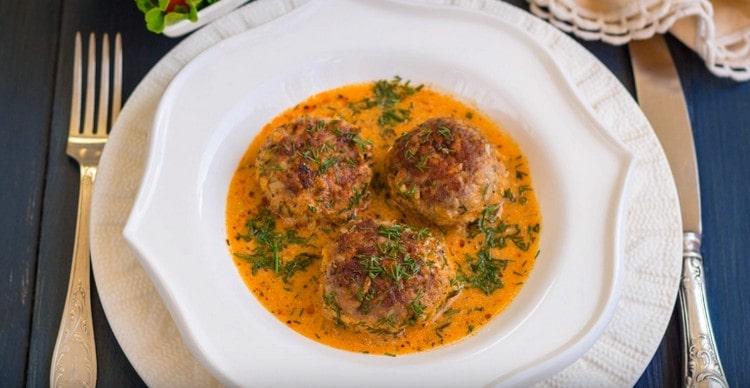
(38, 187)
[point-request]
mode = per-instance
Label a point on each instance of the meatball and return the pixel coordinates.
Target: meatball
(385, 276)
(315, 170)
(445, 171)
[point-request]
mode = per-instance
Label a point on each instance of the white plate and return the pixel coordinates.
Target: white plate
(216, 105)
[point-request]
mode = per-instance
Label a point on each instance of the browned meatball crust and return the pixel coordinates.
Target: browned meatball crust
(445, 171)
(385, 276)
(315, 170)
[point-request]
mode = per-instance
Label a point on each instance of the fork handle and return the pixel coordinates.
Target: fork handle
(74, 357)
(702, 364)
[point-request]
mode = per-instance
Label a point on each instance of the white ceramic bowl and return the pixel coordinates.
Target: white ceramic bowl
(205, 16)
(217, 104)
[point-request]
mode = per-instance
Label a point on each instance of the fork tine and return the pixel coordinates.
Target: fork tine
(88, 119)
(103, 111)
(75, 101)
(117, 80)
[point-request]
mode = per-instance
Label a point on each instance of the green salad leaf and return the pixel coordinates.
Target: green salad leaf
(159, 14)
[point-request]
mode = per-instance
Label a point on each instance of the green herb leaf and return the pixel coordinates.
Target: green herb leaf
(145, 5)
(387, 95)
(487, 271)
(270, 244)
(422, 163)
(407, 192)
(393, 261)
(423, 233)
(156, 15)
(356, 198)
(329, 300)
(193, 12)
(417, 309)
(328, 163)
(445, 132)
(154, 20)
(299, 263)
(372, 265)
(174, 17)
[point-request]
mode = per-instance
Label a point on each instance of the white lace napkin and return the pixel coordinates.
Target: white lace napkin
(719, 31)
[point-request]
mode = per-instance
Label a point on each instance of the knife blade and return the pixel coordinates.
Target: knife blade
(661, 98)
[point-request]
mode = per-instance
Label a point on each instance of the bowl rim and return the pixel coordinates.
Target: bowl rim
(131, 229)
(206, 15)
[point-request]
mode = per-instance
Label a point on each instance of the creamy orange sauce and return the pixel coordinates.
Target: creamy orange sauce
(298, 303)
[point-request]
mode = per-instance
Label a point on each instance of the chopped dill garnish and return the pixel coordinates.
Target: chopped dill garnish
(365, 298)
(361, 142)
(407, 192)
(329, 300)
(486, 271)
(355, 138)
(393, 261)
(411, 266)
(356, 198)
(397, 272)
(423, 233)
(319, 125)
(445, 132)
(269, 244)
(392, 231)
(439, 329)
(424, 132)
(508, 194)
(517, 198)
(385, 326)
(422, 163)
(311, 155)
(387, 94)
(298, 263)
(372, 265)
(328, 163)
(417, 309)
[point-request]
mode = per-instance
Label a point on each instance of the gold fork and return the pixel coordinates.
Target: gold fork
(74, 357)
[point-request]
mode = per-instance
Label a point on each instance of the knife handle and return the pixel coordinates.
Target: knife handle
(702, 364)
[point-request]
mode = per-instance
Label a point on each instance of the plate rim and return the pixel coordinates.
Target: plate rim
(102, 257)
(584, 339)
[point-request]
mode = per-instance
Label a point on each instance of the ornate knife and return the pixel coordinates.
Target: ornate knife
(661, 98)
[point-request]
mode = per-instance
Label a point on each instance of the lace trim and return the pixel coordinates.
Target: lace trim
(726, 56)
